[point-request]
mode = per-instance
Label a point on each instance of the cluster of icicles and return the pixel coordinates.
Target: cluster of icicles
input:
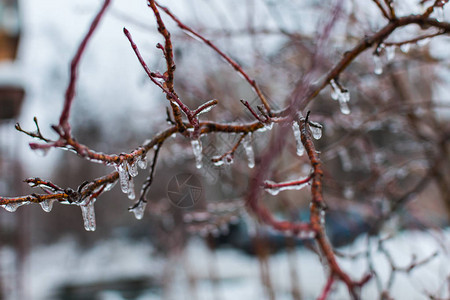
(227, 159)
(343, 96)
(127, 171)
(273, 187)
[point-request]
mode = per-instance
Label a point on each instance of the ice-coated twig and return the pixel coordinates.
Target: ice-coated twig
(139, 208)
(227, 157)
(298, 140)
(274, 188)
(247, 144)
(234, 64)
(88, 214)
(70, 92)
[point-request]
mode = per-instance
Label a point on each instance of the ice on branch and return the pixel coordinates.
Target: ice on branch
(130, 188)
(316, 130)
(88, 213)
(342, 95)
(197, 149)
(390, 53)
(247, 143)
(139, 210)
(47, 205)
(41, 151)
(133, 167)
(110, 185)
(378, 64)
(423, 42)
(142, 163)
(12, 207)
(405, 47)
(123, 176)
(274, 188)
(298, 139)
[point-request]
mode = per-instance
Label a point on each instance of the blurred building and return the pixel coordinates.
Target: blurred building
(13, 233)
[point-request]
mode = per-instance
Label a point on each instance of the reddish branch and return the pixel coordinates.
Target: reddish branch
(70, 92)
(234, 64)
(318, 206)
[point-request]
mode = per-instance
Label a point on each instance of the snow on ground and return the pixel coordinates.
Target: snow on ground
(238, 275)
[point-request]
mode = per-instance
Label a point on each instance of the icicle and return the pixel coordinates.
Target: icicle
(285, 186)
(41, 151)
(130, 189)
(197, 149)
(335, 90)
(123, 176)
(247, 143)
(390, 53)
(378, 69)
(12, 207)
(142, 163)
(405, 47)
(316, 130)
(139, 210)
(423, 42)
(342, 95)
(133, 167)
(47, 205)
(298, 138)
(88, 214)
(344, 107)
(273, 191)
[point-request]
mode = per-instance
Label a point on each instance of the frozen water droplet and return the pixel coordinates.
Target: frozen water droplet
(142, 163)
(378, 68)
(217, 162)
(41, 151)
(247, 143)
(139, 210)
(343, 95)
(405, 47)
(11, 207)
(268, 126)
(316, 130)
(423, 42)
(228, 159)
(47, 205)
(335, 90)
(298, 139)
(130, 189)
(197, 149)
(88, 213)
(390, 53)
(344, 107)
(123, 176)
(273, 191)
(133, 168)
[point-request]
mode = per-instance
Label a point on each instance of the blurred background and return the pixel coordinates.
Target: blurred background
(387, 171)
